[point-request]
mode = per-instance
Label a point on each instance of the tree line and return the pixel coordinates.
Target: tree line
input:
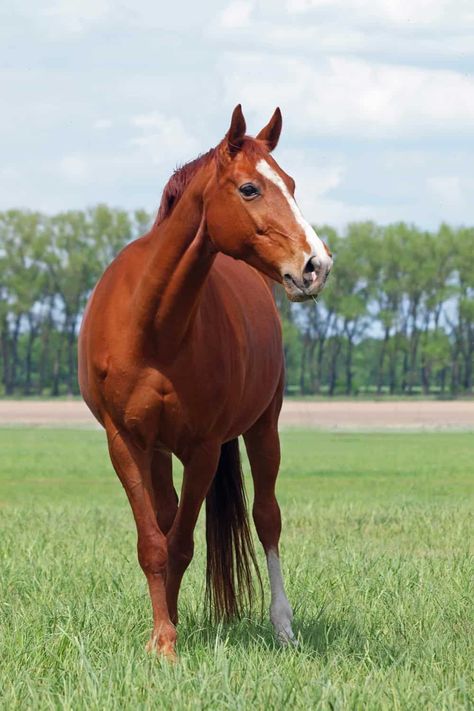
(397, 315)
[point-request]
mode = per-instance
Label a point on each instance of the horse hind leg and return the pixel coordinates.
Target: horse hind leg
(198, 473)
(263, 449)
(133, 467)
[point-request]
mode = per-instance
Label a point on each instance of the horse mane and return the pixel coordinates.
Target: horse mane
(178, 183)
(182, 176)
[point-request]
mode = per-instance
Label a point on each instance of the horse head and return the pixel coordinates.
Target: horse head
(251, 213)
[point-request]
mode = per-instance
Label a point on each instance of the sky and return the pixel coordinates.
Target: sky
(102, 99)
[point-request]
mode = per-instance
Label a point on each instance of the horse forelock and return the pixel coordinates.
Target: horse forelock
(182, 176)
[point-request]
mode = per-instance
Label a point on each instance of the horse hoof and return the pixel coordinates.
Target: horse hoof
(287, 640)
(165, 650)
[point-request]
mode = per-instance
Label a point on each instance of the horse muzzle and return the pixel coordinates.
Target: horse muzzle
(309, 283)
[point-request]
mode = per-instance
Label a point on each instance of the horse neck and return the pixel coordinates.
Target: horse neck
(167, 297)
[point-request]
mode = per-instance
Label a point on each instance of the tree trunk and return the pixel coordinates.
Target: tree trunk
(4, 340)
(392, 368)
(412, 365)
(425, 376)
(454, 374)
(56, 371)
(44, 358)
(318, 376)
(468, 353)
(443, 380)
(71, 361)
(383, 350)
(303, 364)
(425, 364)
(312, 367)
(333, 367)
(349, 374)
(28, 360)
(13, 366)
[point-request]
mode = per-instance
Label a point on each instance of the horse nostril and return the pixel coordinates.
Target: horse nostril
(309, 273)
(309, 267)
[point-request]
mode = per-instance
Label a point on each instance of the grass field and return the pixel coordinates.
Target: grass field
(376, 551)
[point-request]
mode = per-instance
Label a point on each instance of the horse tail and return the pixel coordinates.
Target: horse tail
(230, 551)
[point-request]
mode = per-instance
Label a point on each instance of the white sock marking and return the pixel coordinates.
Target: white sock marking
(281, 613)
(317, 248)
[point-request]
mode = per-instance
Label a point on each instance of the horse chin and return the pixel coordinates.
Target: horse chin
(297, 295)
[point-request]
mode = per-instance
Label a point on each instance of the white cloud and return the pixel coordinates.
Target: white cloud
(448, 190)
(318, 178)
(236, 15)
(73, 167)
(452, 194)
(164, 139)
(407, 45)
(377, 97)
(405, 31)
(102, 124)
(74, 16)
(351, 97)
(450, 197)
(315, 178)
(422, 13)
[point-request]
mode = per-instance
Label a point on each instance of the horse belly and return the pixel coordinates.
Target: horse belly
(233, 366)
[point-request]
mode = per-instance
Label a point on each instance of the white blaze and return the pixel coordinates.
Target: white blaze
(317, 248)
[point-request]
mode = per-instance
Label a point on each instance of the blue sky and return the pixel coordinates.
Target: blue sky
(101, 99)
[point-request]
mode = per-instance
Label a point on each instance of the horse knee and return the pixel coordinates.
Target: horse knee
(152, 553)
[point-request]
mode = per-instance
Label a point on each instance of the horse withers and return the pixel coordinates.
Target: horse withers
(180, 351)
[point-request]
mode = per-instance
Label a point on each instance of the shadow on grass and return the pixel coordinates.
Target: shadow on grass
(315, 636)
(318, 637)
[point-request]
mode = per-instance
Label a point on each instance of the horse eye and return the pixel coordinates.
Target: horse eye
(248, 190)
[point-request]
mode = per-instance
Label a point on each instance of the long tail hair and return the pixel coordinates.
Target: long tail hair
(230, 551)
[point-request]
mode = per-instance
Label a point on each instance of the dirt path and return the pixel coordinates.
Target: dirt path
(430, 415)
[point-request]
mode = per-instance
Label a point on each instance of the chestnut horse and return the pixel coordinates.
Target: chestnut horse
(180, 351)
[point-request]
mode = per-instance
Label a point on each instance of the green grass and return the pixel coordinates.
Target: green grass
(376, 552)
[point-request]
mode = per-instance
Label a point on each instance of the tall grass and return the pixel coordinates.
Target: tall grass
(376, 551)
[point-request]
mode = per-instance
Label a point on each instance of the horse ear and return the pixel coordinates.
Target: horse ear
(235, 134)
(271, 132)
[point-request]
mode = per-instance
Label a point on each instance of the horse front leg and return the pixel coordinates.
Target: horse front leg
(164, 493)
(133, 467)
(199, 471)
(263, 448)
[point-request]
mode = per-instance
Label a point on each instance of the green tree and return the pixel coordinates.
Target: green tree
(23, 287)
